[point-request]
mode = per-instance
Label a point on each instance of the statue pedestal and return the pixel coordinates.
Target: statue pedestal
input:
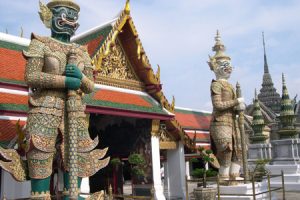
(237, 191)
(291, 176)
(286, 157)
(259, 152)
(286, 152)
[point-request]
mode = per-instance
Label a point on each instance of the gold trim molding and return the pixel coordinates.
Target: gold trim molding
(167, 145)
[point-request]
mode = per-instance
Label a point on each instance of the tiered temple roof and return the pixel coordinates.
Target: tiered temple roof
(268, 95)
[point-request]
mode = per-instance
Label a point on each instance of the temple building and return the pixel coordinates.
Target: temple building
(128, 111)
(270, 104)
(268, 94)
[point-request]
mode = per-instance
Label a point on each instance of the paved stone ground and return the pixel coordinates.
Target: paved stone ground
(191, 186)
(289, 195)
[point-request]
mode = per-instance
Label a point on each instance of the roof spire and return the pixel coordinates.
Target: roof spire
(127, 7)
(285, 93)
(268, 94)
(258, 123)
(287, 115)
(266, 67)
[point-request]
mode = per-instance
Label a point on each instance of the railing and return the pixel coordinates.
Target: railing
(252, 180)
(112, 196)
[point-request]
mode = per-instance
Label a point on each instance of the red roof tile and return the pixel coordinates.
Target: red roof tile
(8, 129)
(203, 136)
(12, 64)
(6, 98)
(93, 44)
(193, 120)
(121, 97)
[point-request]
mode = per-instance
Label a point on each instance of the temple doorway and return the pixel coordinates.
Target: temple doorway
(123, 136)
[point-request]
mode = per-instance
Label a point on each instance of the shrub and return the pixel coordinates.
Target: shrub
(199, 172)
(136, 159)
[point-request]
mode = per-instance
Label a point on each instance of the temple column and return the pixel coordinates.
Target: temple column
(158, 189)
(176, 172)
(187, 169)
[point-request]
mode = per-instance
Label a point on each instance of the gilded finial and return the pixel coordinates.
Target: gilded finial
(173, 104)
(127, 7)
(158, 73)
(218, 37)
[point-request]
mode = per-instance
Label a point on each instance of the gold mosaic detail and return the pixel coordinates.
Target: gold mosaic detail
(97, 196)
(40, 196)
(155, 127)
(164, 136)
(116, 65)
(14, 165)
(40, 164)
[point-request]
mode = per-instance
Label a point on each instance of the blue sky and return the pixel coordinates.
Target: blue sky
(179, 34)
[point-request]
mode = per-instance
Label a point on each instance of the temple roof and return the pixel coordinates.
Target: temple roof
(12, 63)
(268, 95)
(268, 114)
(13, 103)
(107, 100)
(95, 37)
(193, 119)
(196, 125)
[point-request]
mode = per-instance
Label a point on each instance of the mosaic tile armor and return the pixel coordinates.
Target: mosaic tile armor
(46, 61)
(224, 127)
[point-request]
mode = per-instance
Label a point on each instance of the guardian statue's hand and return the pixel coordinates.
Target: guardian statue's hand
(73, 71)
(241, 106)
(72, 83)
(241, 100)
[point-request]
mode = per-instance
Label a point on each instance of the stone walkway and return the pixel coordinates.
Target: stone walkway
(191, 186)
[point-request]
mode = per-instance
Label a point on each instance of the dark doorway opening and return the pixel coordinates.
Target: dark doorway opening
(122, 136)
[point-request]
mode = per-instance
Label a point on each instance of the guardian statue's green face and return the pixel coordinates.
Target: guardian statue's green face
(64, 21)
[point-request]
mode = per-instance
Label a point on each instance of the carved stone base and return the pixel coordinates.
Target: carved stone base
(291, 176)
(286, 152)
(201, 193)
(259, 152)
(237, 191)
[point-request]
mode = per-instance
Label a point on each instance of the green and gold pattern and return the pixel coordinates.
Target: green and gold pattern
(287, 115)
(258, 124)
